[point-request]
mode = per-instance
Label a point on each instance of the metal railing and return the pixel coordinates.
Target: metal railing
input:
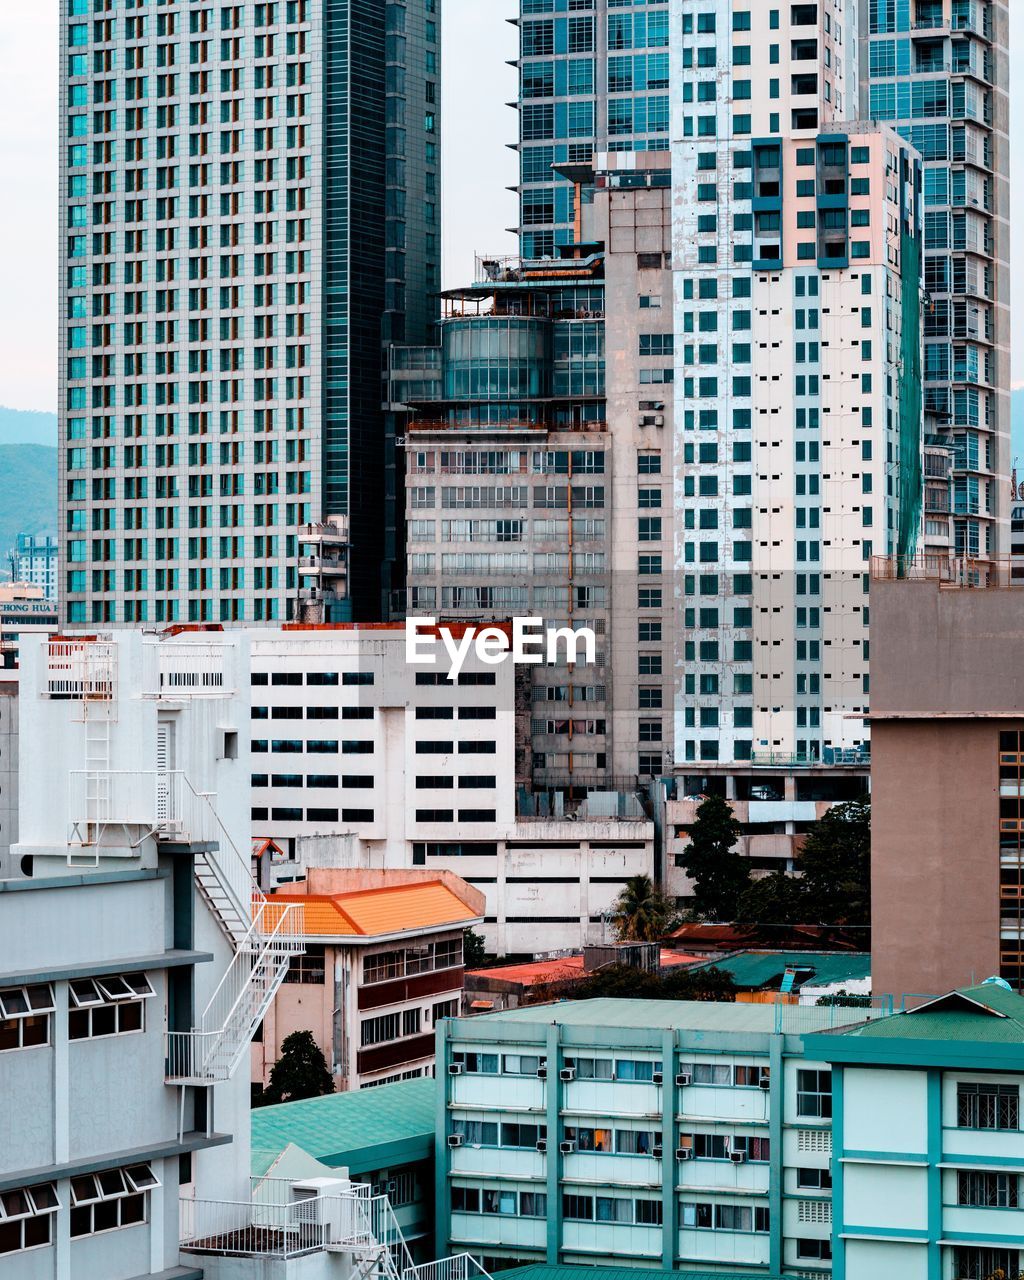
(193, 668)
(80, 669)
(802, 1019)
(980, 572)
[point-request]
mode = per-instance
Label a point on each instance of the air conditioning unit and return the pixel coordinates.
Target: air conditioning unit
(684, 1153)
(542, 1073)
(764, 1083)
(567, 1147)
(455, 1068)
(738, 1157)
(657, 1077)
(456, 1139)
(683, 1079)
(542, 1145)
(567, 1073)
(656, 1152)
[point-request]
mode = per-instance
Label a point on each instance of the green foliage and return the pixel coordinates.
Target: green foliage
(719, 871)
(300, 1072)
(622, 982)
(642, 913)
(836, 864)
(473, 949)
(28, 494)
(777, 899)
(844, 999)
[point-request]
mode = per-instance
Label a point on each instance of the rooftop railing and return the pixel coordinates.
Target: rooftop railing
(949, 570)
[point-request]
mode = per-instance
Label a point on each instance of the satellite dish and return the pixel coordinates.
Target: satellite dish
(997, 982)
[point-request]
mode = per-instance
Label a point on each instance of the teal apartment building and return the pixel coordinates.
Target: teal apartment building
(654, 1134)
(928, 1149)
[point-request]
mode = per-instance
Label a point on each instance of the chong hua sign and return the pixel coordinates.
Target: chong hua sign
(525, 640)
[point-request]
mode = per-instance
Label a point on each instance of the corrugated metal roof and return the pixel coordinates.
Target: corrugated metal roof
(541, 1271)
(987, 1012)
(756, 969)
(563, 968)
(692, 1015)
(363, 1129)
(367, 913)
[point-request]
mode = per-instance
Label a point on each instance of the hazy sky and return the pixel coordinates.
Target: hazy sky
(478, 167)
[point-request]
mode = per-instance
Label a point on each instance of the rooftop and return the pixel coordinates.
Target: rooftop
(563, 969)
(362, 1130)
(384, 911)
(540, 1271)
(754, 970)
(682, 1015)
(987, 1012)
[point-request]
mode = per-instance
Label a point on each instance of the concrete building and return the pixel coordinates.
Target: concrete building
(797, 240)
(645, 1132)
(249, 206)
(381, 1138)
(589, 82)
(553, 378)
(132, 966)
(947, 715)
(361, 759)
(927, 1158)
(34, 560)
(938, 71)
(382, 965)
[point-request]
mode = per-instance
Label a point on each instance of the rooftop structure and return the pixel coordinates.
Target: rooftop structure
(382, 964)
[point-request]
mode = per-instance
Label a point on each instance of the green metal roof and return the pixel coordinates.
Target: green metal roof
(753, 970)
(364, 1130)
(987, 1012)
(540, 1271)
(683, 1015)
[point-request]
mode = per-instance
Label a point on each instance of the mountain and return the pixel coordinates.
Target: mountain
(26, 426)
(28, 493)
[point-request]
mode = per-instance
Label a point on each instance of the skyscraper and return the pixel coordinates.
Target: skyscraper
(250, 205)
(938, 71)
(796, 251)
(592, 78)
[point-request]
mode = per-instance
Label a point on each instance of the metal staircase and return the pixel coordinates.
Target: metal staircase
(264, 935)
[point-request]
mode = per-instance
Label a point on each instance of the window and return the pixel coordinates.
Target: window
(814, 1094)
(520, 1064)
(381, 1029)
(588, 1139)
(107, 1006)
(987, 1106)
(26, 1217)
(478, 1133)
(25, 1016)
(591, 1068)
(516, 1134)
(477, 1063)
(976, 1262)
(814, 1179)
(987, 1190)
(111, 1199)
(307, 968)
(636, 1142)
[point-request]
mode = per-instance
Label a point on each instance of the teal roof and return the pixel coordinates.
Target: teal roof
(753, 970)
(682, 1015)
(541, 1271)
(984, 1013)
(364, 1130)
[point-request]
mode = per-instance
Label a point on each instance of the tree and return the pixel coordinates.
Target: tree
(835, 863)
(473, 949)
(624, 982)
(642, 913)
(300, 1072)
(776, 899)
(719, 871)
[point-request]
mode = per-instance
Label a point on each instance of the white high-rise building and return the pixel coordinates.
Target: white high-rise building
(797, 379)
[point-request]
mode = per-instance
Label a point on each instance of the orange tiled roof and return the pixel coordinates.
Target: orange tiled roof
(368, 913)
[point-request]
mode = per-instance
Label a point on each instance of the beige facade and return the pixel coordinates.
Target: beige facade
(947, 714)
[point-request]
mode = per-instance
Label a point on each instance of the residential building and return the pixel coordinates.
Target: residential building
(244, 220)
(382, 965)
(938, 71)
(362, 759)
(34, 560)
(25, 612)
(797, 976)
(591, 81)
(642, 1132)
(947, 880)
(127, 913)
(553, 378)
(927, 1159)
(381, 1138)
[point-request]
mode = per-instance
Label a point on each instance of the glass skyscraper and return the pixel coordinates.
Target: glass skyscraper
(592, 78)
(250, 207)
(938, 72)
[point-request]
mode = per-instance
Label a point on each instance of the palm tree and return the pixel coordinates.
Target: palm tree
(642, 913)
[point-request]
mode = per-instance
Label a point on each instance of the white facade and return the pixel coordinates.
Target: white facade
(410, 769)
(796, 256)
